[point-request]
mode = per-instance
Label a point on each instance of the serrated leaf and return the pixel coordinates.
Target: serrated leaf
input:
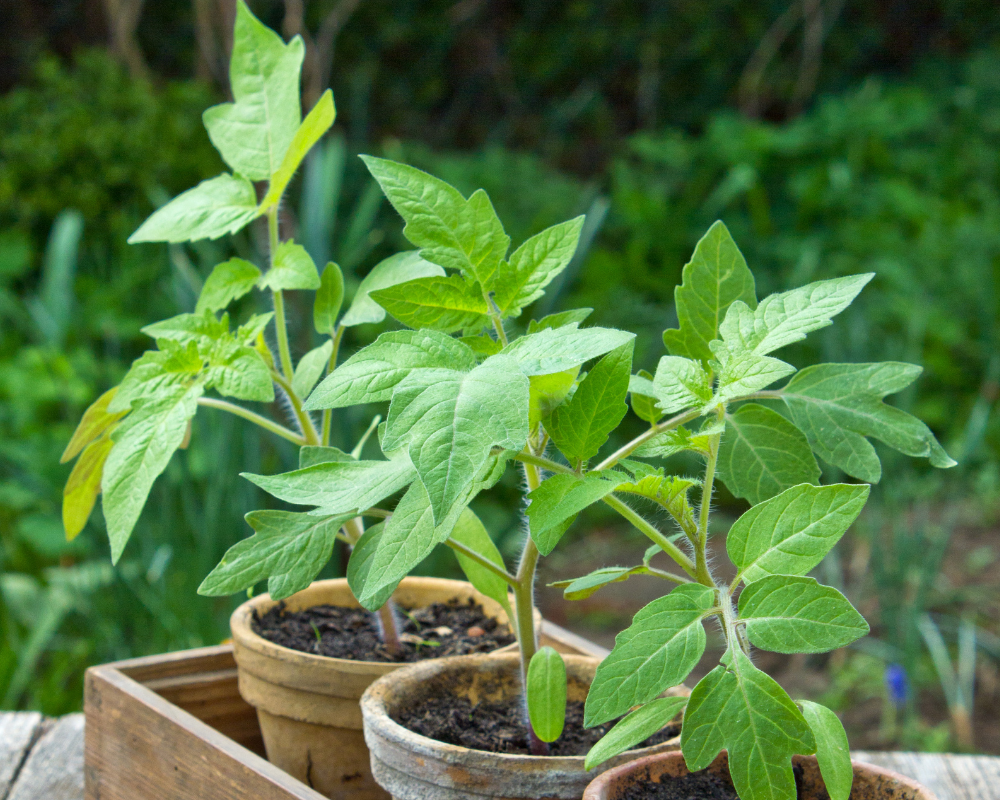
(786, 614)
(640, 388)
(311, 455)
(791, 533)
(545, 691)
(534, 265)
(96, 420)
(223, 204)
(204, 329)
(235, 370)
(762, 454)
(329, 298)
(450, 420)
(473, 534)
(638, 726)
(575, 317)
(657, 651)
(583, 587)
(560, 497)
(229, 281)
(738, 707)
(559, 349)
(338, 487)
(316, 123)
(482, 345)
(250, 330)
(143, 444)
(671, 492)
(680, 383)
(157, 373)
(716, 276)
(371, 374)
(679, 440)
(84, 484)
(361, 560)
(253, 134)
(388, 272)
(288, 549)
(453, 232)
(547, 392)
(832, 750)
(443, 303)
(838, 405)
(293, 269)
(310, 368)
(581, 425)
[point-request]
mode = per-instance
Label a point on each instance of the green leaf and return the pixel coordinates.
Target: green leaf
(329, 298)
(716, 276)
(250, 330)
(338, 487)
(482, 345)
(361, 561)
(445, 304)
(787, 614)
(235, 370)
(310, 368)
(671, 492)
(204, 329)
(84, 484)
(638, 726)
(657, 651)
(547, 392)
(229, 281)
(559, 349)
(681, 383)
(640, 387)
(791, 533)
(311, 455)
(371, 375)
(453, 232)
(316, 123)
(96, 420)
(293, 269)
(288, 549)
(253, 134)
(580, 426)
(679, 440)
(583, 587)
(223, 204)
(473, 534)
(157, 373)
(738, 707)
(143, 444)
(450, 420)
(561, 497)
(575, 317)
(534, 264)
(762, 454)
(546, 694)
(838, 405)
(388, 272)
(832, 750)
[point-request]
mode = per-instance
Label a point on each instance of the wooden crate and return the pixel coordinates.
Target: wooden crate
(174, 727)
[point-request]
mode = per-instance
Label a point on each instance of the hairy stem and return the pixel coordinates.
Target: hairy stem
(284, 352)
(328, 412)
(355, 529)
(701, 545)
(626, 450)
(257, 419)
(301, 415)
(468, 552)
(654, 534)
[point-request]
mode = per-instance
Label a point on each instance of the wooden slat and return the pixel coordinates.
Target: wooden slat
(18, 732)
(950, 777)
(53, 769)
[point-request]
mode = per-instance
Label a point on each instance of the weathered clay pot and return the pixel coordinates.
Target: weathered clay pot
(414, 767)
(870, 782)
(307, 705)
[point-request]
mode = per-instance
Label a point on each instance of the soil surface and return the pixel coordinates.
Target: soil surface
(500, 728)
(702, 785)
(440, 629)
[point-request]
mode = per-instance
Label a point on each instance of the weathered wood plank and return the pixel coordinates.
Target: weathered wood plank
(53, 769)
(950, 777)
(18, 732)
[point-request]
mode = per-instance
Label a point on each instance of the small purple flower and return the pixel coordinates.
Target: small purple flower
(897, 684)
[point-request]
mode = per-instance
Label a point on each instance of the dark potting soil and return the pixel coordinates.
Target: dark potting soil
(440, 629)
(702, 785)
(500, 728)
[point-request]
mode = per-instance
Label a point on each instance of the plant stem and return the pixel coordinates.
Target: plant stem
(279, 300)
(468, 552)
(328, 412)
(544, 463)
(355, 529)
(257, 419)
(669, 576)
(701, 545)
(653, 534)
(304, 420)
(626, 450)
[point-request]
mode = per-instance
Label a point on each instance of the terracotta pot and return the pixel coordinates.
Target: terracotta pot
(307, 704)
(414, 767)
(870, 782)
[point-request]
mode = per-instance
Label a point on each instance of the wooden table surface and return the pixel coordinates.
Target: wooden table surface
(42, 759)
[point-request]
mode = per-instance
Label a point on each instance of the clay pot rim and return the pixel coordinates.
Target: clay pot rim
(597, 789)
(244, 634)
(376, 717)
